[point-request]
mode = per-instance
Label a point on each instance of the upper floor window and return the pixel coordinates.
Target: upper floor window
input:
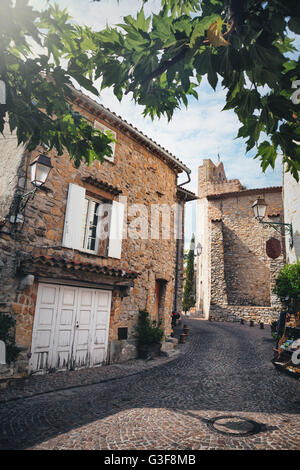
(93, 224)
(89, 226)
(103, 128)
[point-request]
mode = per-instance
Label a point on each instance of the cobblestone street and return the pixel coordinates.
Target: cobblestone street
(223, 370)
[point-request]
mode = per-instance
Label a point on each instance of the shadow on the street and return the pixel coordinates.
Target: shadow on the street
(218, 370)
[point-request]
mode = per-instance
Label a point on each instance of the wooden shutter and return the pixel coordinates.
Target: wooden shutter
(103, 128)
(2, 92)
(116, 230)
(74, 217)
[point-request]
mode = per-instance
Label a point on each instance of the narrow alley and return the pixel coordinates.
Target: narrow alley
(221, 392)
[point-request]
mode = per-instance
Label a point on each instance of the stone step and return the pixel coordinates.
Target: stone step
(169, 347)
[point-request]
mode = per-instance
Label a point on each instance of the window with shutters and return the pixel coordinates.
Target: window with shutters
(93, 223)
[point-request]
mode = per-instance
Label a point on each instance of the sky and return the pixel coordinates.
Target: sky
(201, 131)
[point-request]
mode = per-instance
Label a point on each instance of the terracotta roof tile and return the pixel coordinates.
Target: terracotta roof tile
(100, 107)
(72, 265)
(102, 185)
(190, 195)
(244, 192)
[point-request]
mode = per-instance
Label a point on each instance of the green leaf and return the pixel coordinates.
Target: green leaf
(267, 153)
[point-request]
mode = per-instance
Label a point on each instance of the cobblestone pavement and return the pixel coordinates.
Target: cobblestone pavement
(223, 370)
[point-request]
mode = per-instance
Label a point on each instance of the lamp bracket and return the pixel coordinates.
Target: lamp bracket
(281, 228)
(24, 198)
(21, 202)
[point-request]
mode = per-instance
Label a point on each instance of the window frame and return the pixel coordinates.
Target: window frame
(87, 217)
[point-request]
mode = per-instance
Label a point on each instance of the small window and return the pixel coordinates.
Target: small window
(122, 333)
(103, 128)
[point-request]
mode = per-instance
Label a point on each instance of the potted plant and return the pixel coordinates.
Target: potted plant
(287, 287)
(149, 335)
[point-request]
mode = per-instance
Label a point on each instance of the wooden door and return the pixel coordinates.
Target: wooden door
(71, 327)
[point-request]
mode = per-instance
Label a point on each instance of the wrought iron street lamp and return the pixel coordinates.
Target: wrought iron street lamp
(197, 252)
(40, 169)
(198, 249)
(39, 172)
(259, 208)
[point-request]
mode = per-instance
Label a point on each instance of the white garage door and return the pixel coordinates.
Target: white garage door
(70, 327)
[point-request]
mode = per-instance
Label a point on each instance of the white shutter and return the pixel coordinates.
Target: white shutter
(2, 92)
(103, 128)
(74, 217)
(116, 230)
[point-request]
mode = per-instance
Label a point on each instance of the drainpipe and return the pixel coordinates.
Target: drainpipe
(175, 303)
(188, 172)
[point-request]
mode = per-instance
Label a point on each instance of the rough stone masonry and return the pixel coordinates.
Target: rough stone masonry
(145, 174)
(234, 275)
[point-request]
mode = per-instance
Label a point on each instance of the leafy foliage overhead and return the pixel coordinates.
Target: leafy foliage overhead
(38, 87)
(245, 45)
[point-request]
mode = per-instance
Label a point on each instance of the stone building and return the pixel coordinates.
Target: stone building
(75, 298)
(234, 274)
(291, 202)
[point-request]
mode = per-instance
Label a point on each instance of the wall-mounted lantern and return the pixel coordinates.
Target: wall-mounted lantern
(259, 208)
(198, 249)
(40, 169)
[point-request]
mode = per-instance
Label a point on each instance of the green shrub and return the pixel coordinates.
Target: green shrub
(7, 325)
(287, 286)
(188, 299)
(148, 332)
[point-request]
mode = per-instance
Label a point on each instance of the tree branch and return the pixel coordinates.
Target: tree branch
(161, 69)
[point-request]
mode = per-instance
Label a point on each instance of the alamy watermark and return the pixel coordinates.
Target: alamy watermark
(139, 221)
(295, 97)
(296, 354)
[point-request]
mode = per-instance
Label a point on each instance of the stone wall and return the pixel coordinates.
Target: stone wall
(234, 313)
(144, 178)
(291, 199)
(11, 158)
(235, 270)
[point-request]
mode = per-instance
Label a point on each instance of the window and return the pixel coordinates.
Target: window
(92, 218)
(122, 333)
(87, 218)
(103, 128)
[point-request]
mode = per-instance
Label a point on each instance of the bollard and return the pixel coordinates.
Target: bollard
(182, 338)
(251, 323)
(261, 325)
(242, 321)
(186, 330)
